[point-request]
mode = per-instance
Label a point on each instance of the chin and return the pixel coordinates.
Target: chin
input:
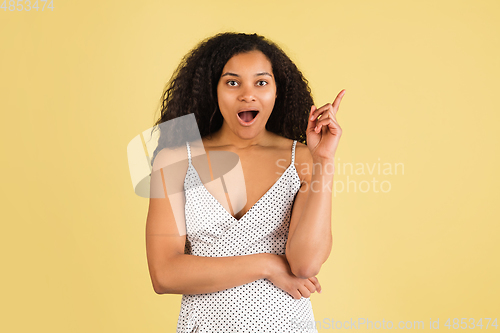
(248, 133)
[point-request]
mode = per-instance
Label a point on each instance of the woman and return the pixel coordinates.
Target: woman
(254, 268)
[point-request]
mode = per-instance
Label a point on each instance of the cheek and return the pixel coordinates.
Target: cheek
(223, 99)
(270, 97)
(220, 96)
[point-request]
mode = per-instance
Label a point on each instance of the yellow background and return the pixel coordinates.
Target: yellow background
(81, 81)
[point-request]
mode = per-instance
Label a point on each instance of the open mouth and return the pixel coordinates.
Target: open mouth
(247, 116)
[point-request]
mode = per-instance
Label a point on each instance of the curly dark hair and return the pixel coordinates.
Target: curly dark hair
(193, 89)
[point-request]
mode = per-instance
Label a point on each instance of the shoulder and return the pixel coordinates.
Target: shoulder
(303, 162)
(168, 172)
(169, 156)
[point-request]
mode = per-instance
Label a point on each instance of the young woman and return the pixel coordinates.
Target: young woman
(250, 269)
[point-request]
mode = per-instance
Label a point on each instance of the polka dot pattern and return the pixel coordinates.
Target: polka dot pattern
(211, 231)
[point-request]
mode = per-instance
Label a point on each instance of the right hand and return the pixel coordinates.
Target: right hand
(282, 277)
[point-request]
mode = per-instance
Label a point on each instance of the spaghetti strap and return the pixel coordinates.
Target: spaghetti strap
(189, 152)
(293, 151)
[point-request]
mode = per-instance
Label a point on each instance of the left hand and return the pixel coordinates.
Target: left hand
(323, 135)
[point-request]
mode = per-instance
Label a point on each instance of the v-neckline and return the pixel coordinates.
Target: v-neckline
(255, 204)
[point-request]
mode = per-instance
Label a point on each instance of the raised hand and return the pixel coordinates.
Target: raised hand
(323, 134)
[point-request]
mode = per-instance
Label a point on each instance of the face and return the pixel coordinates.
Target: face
(246, 93)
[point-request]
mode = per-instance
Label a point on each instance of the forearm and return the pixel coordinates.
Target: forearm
(189, 274)
(311, 243)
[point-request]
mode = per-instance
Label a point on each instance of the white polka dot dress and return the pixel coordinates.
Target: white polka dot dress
(211, 231)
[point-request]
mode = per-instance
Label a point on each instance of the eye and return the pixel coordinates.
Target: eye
(265, 82)
(230, 83)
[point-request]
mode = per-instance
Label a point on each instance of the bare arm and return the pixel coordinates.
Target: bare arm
(310, 240)
(189, 274)
(310, 236)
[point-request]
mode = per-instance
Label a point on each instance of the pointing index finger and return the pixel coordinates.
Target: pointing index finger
(337, 100)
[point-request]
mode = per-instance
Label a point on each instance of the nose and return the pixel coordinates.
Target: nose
(247, 94)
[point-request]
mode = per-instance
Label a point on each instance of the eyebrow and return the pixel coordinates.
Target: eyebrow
(257, 74)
